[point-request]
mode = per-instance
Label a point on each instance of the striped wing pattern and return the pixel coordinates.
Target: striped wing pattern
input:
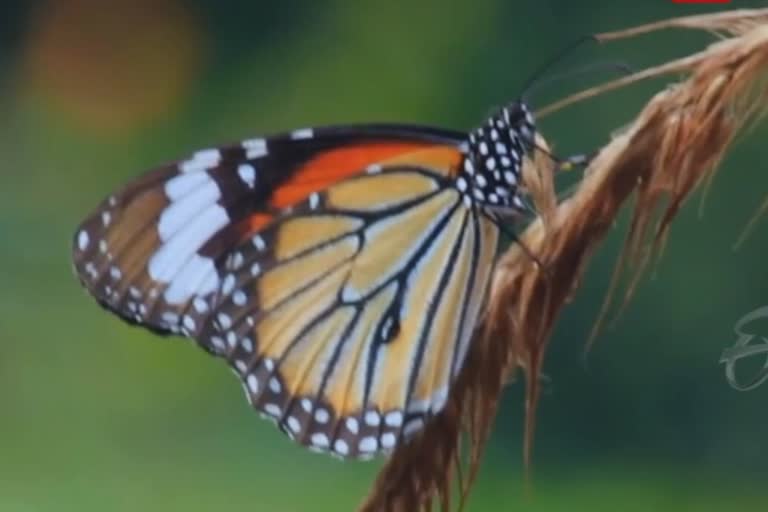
(346, 312)
(136, 252)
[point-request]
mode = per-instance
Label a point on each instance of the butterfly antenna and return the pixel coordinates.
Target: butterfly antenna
(554, 60)
(610, 65)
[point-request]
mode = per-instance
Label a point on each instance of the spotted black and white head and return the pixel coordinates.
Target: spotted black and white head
(493, 160)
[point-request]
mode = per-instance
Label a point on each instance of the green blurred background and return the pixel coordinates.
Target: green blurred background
(95, 415)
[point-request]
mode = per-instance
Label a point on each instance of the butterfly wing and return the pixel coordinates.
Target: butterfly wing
(346, 313)
(145, 250)
(349, 318)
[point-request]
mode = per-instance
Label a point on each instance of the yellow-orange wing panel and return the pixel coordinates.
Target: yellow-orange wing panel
(348, 318)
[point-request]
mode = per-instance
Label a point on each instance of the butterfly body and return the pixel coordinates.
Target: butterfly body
(496, 149)
(339, 271)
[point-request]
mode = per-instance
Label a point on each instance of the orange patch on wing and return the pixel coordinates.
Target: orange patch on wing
(444, 160)
(335, 165)
(256, 222)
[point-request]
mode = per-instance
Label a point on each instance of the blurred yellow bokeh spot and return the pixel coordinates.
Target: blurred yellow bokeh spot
(111, 66)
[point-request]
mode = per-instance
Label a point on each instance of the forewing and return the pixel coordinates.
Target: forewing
(150, 251)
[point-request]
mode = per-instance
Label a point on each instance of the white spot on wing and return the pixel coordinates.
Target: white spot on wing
(394, 419)
(228, 285)
(341, 447)
(197, 277)
(170, 318)
(319, 439)
(305, 133)
(253, 383)
(164, 265)
(293, 424)
(201, 160)
(182, 212)
(388, 440)
(368, 444)
(90, 269)
(413, 426)
(218, 343)
(272, 409)
(321, 416)
(372, 418)
(235, 261)
(183, 184)
(201, 306)
(225, 322)
(255, 148)
(247, 173)
(259, 243)
(239, 298)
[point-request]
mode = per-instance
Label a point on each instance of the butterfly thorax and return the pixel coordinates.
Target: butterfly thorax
(490, 173)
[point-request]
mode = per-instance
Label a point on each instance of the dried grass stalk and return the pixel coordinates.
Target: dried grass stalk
(672, 146)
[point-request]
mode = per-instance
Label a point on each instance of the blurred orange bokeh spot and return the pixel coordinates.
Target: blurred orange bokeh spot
(111, 66)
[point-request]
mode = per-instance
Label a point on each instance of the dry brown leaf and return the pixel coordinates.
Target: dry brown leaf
(674, 145)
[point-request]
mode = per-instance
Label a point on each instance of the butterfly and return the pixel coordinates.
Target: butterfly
(339, 271)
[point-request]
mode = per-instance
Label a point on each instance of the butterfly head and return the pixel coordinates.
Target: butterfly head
(494, 158)
(520, 120)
